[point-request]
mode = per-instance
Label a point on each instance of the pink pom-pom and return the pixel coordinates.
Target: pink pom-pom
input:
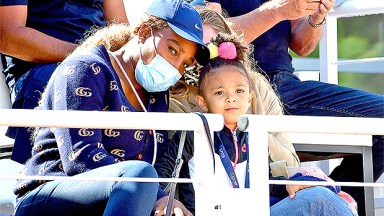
(227, 50)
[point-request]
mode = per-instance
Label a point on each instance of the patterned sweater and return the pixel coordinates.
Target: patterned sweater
(87, 81)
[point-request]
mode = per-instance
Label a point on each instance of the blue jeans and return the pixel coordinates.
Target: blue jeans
(95, 198)
(314, 201)
(26, 95)
(313, 98)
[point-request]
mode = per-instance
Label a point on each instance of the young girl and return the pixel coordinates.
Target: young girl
(264, 102)
(226, 87)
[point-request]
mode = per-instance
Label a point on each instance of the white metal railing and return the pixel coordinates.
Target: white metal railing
(328, 44)
(256, 198)
(98, 119)
(259, 126)
(252, 199)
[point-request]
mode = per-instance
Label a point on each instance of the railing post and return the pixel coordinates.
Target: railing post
(203, 174)
(328, 52)
(258, 163)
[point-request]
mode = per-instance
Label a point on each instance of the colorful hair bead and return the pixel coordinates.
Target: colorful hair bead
(227, 50)
(213, 49)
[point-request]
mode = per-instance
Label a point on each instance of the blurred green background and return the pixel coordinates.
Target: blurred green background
(360, 37)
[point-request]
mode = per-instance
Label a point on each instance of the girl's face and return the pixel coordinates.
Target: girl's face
(178, 51)
(226, 92)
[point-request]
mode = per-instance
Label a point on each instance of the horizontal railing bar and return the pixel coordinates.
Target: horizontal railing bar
(331, 139)
(358, 8)
(107, 119)
(359, 61)
(181, 180)
(96, 178)
(367, 67)
(318, 124)
(325, 183)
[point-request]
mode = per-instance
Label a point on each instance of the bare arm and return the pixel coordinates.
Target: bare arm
(269, 14)
(26, 43)
(304, 38)
(114, 11)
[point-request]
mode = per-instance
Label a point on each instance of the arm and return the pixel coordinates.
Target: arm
(261, 19)
(114, 11)
(26, 43)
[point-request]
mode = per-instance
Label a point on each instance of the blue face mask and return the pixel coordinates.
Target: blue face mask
(156, 76)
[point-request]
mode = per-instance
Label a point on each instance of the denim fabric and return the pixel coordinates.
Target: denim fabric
(313, 98)
(95, 198)
(26, 95)
(310, 202)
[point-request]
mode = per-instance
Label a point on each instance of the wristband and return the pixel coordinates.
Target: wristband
(316, 25)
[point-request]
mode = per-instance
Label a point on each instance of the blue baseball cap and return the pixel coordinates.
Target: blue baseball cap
(184, 20)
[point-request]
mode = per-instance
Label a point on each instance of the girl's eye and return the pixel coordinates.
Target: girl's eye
(219, 93)
(239, 91)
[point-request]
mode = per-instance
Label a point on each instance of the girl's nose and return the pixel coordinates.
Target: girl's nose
(231, 99)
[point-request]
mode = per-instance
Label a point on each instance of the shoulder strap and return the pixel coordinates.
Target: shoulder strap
(179, 161)
(175, 174)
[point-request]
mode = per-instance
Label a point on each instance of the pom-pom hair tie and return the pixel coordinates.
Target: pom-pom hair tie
(213, 50)
(227, 50)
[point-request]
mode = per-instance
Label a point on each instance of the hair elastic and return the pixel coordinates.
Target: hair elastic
(226, 50)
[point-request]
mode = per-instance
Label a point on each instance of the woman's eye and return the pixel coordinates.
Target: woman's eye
(172, 51)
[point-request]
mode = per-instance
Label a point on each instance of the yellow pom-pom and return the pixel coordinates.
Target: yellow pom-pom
(214, 50)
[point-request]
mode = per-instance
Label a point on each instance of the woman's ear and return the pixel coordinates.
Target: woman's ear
(201, 102)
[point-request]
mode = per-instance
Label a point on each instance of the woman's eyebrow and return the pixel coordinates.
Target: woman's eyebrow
(177, 44)
(180, 47)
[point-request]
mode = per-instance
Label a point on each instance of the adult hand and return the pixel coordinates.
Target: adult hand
(295, 9)
(292, 189)
(324, 7)
(179, 209)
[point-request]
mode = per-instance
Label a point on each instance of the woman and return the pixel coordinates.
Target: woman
(125, 80)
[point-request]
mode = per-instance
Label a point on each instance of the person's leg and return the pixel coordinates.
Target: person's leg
(95, 198)
(315, 98)
(315, 201)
